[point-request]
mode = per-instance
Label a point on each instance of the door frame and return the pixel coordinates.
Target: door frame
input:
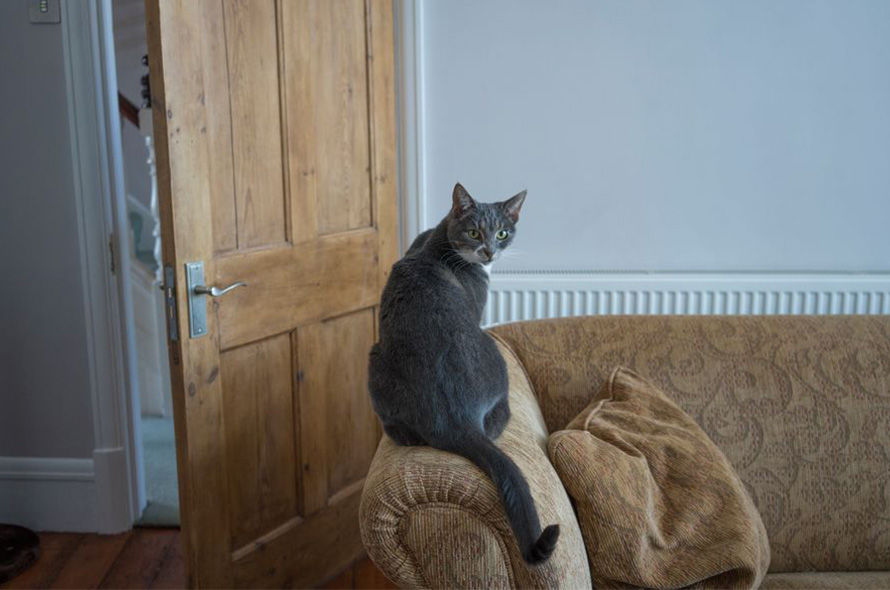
(411, 105)
(100, 195)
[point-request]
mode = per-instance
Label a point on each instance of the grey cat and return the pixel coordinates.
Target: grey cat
(435, 377)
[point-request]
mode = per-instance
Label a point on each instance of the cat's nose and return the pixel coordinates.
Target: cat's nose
(486, 253)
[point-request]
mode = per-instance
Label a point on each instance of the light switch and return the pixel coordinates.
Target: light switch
(44, 11)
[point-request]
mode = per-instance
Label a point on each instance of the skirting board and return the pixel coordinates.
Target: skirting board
(538, 295)
(65, 495)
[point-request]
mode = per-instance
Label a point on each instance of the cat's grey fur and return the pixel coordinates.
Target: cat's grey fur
(435, 377)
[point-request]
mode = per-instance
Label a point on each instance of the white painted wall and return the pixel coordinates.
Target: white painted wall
(45, 393)
(692, 135)
(67, 461)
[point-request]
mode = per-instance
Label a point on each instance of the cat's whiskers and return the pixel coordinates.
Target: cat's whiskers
(454, 257)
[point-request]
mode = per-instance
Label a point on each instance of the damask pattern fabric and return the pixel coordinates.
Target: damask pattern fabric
(799, 405)
(658, 503)
(431, 519)
(827, 581)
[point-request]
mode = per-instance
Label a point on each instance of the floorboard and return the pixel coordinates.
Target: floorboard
(90, 561)
(55, 550)
(142, 558)
(346, 579)
(367, 576)
(172, 572)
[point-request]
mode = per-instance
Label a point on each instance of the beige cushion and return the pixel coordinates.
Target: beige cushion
(658, 503)
(800, 406)
(431, 519)
(827, 581)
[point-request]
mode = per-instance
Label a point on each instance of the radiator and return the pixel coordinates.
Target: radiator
(538, 295)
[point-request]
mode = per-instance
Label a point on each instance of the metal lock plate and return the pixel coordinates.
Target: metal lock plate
(170, 301)
(194, 276)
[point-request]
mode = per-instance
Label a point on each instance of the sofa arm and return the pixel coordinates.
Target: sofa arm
(431, 519)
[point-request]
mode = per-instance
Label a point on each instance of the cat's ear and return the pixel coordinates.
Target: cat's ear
(461, 201)
(513, 205)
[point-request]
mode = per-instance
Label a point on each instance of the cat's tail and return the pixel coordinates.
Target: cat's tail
(536, 546)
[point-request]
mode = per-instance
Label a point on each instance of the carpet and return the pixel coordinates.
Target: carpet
(161, 485)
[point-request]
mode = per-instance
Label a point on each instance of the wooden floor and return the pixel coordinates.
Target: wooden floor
(141, 558)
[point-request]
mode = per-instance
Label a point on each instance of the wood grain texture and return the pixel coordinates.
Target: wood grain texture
(90, 557)
(351, 423)
(339, 58)
(251, 37)
(276, 165)
(219, 128)
(368, 575)
(345, 580)
(55, 550)
(177, 70)
(381, 56)
(168, 243)
(257, 384)
(140, 560)
(327, 542)
(328, 116)
(330, 276)
(171, 573)
(339, 429)
(91, 561)
(298, 17)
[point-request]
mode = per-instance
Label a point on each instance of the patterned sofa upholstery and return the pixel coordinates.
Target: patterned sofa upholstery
(799, 405)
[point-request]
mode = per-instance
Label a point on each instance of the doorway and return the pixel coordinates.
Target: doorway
(144, 279)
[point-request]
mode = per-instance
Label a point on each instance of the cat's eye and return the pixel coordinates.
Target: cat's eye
(501, 235)
(474, 234)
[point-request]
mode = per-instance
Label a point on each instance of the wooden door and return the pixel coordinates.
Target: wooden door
(275, 139)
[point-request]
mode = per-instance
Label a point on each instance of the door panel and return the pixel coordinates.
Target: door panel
(351, 429)
(252, 52)
(218, 125)
(288, 286)
(328, 117)
(339, 428)
(339, 84)
(320, 543)
(275, 135)
(260, 434)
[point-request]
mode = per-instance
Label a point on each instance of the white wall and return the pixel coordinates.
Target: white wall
(66, 462)
(45, 395)
(692, 135)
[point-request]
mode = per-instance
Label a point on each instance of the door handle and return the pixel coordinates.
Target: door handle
(197, 292)
(216, 291)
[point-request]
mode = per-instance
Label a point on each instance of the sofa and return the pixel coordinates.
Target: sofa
(799, 405)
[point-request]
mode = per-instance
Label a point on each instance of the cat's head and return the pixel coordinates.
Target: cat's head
(479, 232)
